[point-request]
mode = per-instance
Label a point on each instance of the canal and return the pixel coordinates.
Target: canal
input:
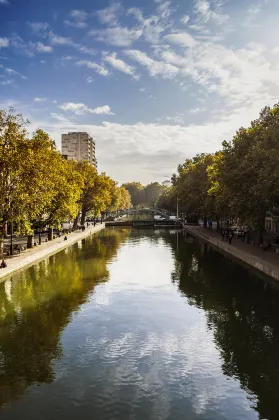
(138, 325)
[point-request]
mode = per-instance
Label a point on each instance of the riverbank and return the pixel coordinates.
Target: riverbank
(263, 261)
(30, 257)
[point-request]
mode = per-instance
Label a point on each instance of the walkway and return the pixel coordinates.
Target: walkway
(32, 256)
(265, 261)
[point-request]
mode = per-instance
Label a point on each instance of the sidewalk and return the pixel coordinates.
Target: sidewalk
(265, 261)
(31, 256)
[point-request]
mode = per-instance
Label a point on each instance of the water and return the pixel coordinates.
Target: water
(138, 325)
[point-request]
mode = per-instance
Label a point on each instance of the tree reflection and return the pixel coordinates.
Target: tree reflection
(37, 304)
(243, 316)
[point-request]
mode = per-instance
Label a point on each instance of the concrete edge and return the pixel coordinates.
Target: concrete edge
(257, 263)
(33, 259)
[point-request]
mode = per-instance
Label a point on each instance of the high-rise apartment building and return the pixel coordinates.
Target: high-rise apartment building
(79, 146)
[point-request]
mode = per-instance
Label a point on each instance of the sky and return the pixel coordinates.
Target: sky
(153, 81)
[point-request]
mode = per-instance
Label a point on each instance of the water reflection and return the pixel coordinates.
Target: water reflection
(37, 304)
(243, 316)
(173, 331)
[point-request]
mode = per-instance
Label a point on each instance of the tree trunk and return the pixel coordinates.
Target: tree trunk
(83, 216)
(5, 229)
(50, 234)
(218, 225)
(30, 241)
(261, 226)
(204, 222)
(40, 237)
(75, 223)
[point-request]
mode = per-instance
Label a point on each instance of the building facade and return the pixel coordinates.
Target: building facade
(79, 146)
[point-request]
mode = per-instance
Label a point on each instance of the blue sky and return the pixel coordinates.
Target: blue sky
(154, 81)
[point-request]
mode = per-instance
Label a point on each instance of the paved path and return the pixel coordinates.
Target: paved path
(265, 261)
(32, 256)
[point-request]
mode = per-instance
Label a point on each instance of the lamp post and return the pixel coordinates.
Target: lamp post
(11, 244)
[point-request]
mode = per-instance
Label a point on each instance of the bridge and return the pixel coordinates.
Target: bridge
(151, 212)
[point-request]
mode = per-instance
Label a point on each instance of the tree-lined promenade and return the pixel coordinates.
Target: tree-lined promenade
(239, 182)
(39, 188)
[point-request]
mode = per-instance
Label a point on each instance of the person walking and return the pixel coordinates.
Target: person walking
(3, 264)
(223, 235)
(230, 237)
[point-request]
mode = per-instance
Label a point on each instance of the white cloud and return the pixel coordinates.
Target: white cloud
(39, 47)
(120, 37)
(68, 58)
(4, 42)
(109, 14)
(78, 19)
(4, 2)
(76, 23)
(6, 82)
(205, 13)
(177, 119)
(121, 65)
(154, 67)
(40, 29)
(61, 118)
(89, 79)
(40, 99)
(86, 50)
(80, 109)
(196, 110)
(60, 40)
(78, 14)
(182, 39)
(164, 10)
(185, 19)
(13, 72)
(101, 70)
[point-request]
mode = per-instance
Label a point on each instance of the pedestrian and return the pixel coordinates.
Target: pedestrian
(65, 238)
(3, 264)
(230, 237)
(223, 235)
(94, 222)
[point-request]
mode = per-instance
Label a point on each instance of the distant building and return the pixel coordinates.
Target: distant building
(79, 146)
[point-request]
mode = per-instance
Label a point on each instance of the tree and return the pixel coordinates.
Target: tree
(21, 182)
(61, 183)
(96, 193)
(246, 177)
(135, 189)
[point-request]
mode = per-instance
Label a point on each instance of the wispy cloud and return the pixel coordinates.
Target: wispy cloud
(40, 29)
(109, 14)
(118, 36)
(6, 82)
(42, 48)
(4, 2)
(38, 100)
(120, 65)
(89, 79)
(86, 50)
(77, 19)
(154, 67)
(13, 72)
(185, 19)
(80, 109)
(60, 40)
(4, 42)
(205, 12)
(101, 70)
